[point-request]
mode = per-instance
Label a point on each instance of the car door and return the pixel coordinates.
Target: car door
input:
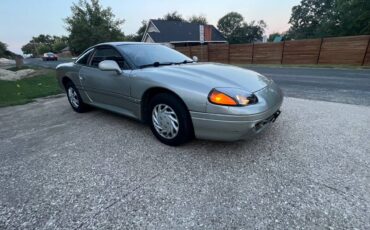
(106, 88)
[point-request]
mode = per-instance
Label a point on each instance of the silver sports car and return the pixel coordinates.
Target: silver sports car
(177, 96)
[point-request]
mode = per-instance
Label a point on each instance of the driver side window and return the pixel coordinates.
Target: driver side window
(84, 58)
(108, 53)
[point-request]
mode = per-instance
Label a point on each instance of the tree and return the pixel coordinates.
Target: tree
(174, 16)
(310, 17)
(3, 49)
(59, 44)
(90, 24)
(229, 23)
(5, 53)
(352, 17)
(43, 48)
(45, 43)
(248, 33)
(322, 18)
(236, 30)
(29, 48)
(198, 19)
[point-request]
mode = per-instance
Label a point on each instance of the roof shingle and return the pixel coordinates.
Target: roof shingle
(176, 31)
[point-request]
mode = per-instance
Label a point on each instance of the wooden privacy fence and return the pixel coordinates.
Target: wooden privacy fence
(353, 50)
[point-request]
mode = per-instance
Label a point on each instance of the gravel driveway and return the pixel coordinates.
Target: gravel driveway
(60, 169)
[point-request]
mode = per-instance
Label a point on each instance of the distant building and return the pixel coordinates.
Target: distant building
(66, 52)
(176, 33)
(264, 39)
(278, 39)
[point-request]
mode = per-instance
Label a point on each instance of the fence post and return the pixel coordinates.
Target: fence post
(282, 53)
(208, 52)
(367, 48)
(190, 54)
(228, 53)
(252, 52)
(318, 56)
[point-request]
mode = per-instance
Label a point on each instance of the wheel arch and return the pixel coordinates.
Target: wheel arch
(150, 93)
(65, 80)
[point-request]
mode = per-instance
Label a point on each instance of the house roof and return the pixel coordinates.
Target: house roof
(176, 31)
(66, 49)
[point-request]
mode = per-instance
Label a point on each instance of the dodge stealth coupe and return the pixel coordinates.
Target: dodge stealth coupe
(178, 97)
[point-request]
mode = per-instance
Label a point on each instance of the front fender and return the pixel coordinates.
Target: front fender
(193, 94)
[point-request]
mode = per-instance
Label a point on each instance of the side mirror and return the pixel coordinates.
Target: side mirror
(109, 65)
(195, 58)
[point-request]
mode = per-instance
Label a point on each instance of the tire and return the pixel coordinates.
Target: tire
(74, 98)
(164, 109)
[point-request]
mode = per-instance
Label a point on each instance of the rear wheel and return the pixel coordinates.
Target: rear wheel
(170, 120)
(74, 98)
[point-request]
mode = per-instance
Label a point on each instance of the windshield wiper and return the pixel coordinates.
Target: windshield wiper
(156, 64)
(184, 62)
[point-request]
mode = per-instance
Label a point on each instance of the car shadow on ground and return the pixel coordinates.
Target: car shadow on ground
(195, 146)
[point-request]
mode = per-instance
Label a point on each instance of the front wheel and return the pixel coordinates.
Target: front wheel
(74, 98)
(170, 120)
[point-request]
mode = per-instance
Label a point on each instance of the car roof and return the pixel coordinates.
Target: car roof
(124, 43)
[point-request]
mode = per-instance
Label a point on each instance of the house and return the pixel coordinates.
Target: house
(177, 33)
(66, 52)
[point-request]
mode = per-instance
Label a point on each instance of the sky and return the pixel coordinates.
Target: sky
(22, 19)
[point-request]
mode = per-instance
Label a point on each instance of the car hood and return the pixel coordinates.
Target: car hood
(217, 75)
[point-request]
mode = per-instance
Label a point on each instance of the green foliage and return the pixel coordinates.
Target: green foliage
(5, 53)
(43, 48)
(59, 44)
(229, 23)
(90, 24)
(353, 17)
(236, 30)
(174, 16)
(25, 90)
(45, 43)
(324, 18)
(3, 49)
(198, 19)
(30, 48)
(309, 19)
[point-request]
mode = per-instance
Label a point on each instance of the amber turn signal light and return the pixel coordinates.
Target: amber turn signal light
(219, 98)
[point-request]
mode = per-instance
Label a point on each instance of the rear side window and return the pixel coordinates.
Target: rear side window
(84, 58)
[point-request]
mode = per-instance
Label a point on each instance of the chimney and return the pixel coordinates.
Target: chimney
(207, 33)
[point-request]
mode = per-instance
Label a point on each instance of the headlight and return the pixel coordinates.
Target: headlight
(231, 97)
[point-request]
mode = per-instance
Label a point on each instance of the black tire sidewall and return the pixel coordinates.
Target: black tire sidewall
(81, 106)
(185, 125)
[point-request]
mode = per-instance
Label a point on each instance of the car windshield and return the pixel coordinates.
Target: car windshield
(148, 54)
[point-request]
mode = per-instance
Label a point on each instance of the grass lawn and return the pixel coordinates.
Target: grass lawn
(22, 67)
(25, 90)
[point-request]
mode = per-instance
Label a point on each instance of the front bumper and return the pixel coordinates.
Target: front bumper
(244, 125)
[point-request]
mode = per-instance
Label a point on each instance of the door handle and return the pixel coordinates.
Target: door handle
(81, 77)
